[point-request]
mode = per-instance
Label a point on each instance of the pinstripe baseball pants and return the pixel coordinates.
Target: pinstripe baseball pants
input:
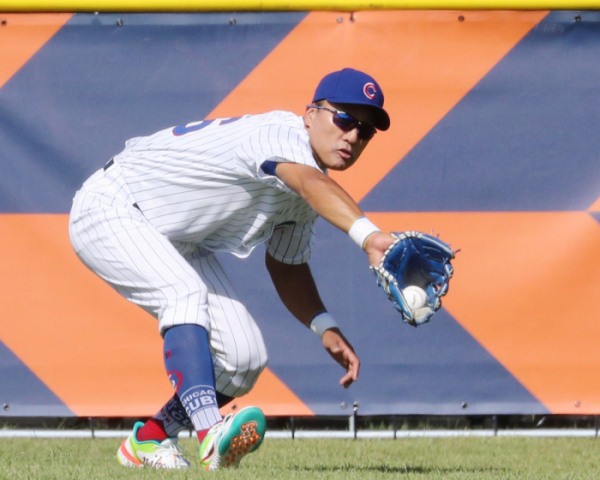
(177, 283)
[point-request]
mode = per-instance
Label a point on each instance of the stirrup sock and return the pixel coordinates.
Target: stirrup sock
(191, 372)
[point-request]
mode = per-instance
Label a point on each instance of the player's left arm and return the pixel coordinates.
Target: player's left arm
(296, 287)
(321, 192)
(332, 202)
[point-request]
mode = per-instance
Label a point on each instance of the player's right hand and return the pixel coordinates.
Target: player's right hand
(342, 352)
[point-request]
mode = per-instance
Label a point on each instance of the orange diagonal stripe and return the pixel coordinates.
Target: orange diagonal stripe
(536, 311)
(101, 355)
(25, 34)
(273, 396)
(425, 62)
(595, 207)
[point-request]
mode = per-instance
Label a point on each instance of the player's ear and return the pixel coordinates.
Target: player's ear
(309, 114)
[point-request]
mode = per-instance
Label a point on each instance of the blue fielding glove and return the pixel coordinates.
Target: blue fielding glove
(418, 259)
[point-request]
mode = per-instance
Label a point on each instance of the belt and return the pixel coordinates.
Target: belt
(109, 164)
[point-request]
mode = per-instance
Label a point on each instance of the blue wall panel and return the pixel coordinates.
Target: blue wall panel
(525, 138)
(22, 393)
(96, 84)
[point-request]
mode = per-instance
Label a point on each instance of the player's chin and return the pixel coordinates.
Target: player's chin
(340, 164)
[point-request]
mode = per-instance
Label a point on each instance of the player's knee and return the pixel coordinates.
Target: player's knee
(239, 374)
(185, 307)
(252, 360)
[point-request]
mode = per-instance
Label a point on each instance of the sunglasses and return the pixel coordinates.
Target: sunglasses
(348, 122)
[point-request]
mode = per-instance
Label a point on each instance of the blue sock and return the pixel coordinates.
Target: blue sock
(190, 369)
(173, 418)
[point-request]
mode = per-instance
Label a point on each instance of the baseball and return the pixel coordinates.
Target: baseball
(415, 296)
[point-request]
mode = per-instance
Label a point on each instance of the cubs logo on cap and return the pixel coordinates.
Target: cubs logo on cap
(354, 87)
(370, 90)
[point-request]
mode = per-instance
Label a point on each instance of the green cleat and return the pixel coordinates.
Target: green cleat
(227, 442)
(165, 454)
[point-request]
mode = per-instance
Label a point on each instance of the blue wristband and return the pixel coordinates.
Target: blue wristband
(321, 322)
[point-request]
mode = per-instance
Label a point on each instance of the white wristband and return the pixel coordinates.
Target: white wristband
(361, 229)
(321, 322)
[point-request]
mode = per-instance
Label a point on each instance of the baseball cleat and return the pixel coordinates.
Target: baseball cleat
(165, 454)
(227, 442)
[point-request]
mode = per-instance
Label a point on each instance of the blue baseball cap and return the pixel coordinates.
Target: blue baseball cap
(354, 87)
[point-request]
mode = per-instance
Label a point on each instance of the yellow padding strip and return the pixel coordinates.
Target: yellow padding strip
(290, 5)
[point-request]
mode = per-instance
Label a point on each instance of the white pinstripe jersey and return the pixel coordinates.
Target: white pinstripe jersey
(207, 183)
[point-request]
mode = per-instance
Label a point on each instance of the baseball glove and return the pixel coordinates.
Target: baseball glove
(419, 259)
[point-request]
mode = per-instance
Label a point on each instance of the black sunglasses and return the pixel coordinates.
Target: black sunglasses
(348, 122)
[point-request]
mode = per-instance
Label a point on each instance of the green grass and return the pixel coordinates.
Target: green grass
(449, 458)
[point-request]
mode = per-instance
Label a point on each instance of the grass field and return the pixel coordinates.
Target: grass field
(448, 458)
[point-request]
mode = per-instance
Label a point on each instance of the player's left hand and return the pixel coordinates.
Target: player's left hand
(342, 352)
(417, 259)
(376, 245)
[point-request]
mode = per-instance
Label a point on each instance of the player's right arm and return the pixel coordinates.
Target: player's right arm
(298, 292)
(332, 202)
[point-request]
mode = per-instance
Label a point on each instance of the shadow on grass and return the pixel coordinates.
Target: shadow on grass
(406, 469)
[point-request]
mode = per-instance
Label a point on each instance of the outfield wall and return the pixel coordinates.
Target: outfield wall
(494, 144)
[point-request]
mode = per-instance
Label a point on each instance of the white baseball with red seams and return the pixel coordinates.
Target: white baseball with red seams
(415, 296)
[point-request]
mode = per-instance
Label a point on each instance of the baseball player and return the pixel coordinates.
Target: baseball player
(150, 221)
